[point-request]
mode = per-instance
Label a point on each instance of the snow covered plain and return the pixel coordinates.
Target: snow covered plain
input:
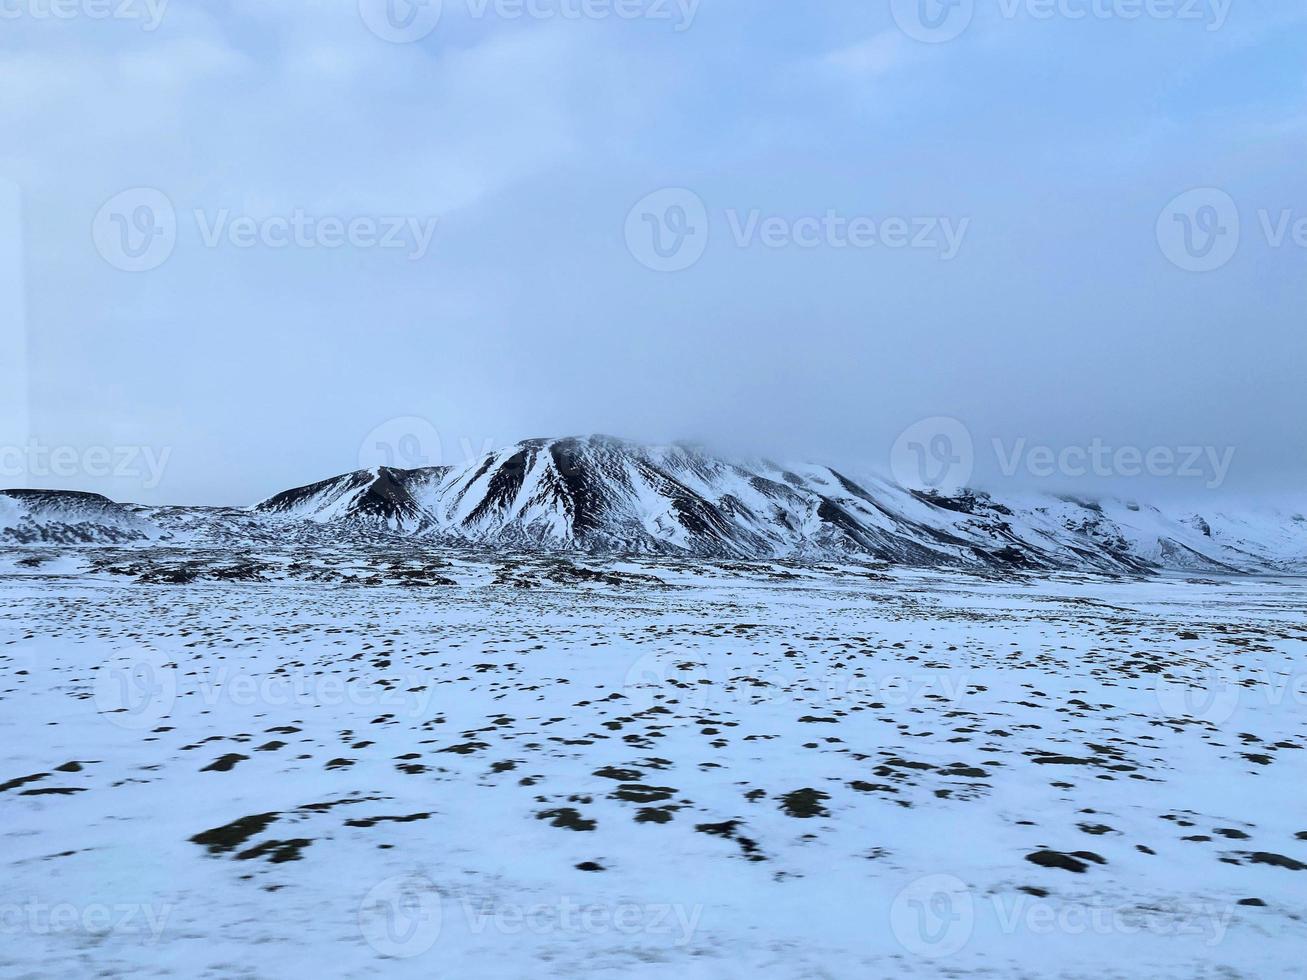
(454, 764)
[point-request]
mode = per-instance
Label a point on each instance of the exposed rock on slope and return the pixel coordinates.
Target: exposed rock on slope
(68, 517)
(604, 495)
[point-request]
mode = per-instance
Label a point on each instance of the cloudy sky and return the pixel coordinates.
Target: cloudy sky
(266, 242)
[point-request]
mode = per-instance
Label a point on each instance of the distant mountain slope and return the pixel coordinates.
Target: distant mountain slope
(68, 517)
(609, 497)
(604, 495)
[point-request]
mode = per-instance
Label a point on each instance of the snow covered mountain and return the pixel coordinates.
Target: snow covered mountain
(68, 517)
(605, 495)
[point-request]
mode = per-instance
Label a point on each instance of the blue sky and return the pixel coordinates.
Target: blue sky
(1054, 144)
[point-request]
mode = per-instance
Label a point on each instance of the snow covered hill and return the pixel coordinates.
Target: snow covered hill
(68, 517)
(604, 495)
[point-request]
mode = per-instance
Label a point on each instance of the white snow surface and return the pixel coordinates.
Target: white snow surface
(398, 759)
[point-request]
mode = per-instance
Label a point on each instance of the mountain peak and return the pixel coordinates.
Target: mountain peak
(606, 494)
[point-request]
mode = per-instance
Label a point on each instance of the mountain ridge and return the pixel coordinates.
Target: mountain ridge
(610, 496)
(68, 517)
(605, 496)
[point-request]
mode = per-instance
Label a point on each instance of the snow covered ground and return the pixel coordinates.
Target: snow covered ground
(454, 764)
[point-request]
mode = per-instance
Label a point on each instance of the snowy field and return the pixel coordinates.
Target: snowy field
(227, 765)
